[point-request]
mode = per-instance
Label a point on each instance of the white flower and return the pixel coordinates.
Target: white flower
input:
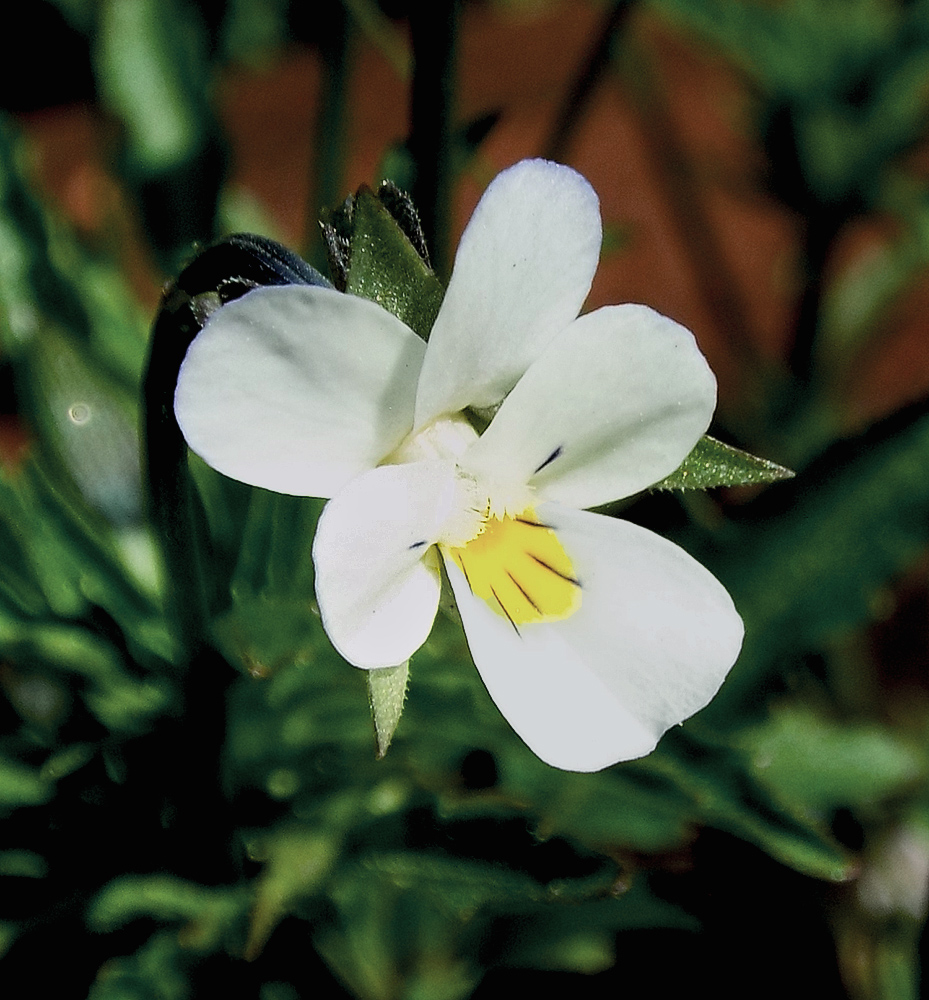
(592, 635)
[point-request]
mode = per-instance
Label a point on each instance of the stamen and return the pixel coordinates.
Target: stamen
(418, 545)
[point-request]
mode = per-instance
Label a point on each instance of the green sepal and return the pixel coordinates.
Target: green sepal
(387, 693)
(386, 267)
(403, 211)
(712, 463)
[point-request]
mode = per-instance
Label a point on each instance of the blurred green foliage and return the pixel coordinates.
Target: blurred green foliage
(181, 802)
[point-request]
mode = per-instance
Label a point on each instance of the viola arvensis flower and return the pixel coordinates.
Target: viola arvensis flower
(592, 635)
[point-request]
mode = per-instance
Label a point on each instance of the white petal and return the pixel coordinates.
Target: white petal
(613, 405)
(377, 578)
(653, 640)
(561, 710)
(298, 389)
(522, 271)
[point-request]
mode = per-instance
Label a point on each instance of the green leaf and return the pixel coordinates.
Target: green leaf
(297, 862)
(64, 559)
(40, 557)
(22, 786)
(608, 810)
(308, 707)
(66, 761)
(209, 912)
(815, 763)
(157, 971)
(21, 589)
(50, 281)
(262, 633)
(385, 267)
(712, 463)
(84, 425)
(8, 934)
(272, 620)
(385, 949)
(387, 693)
(723, 793)
(274, 556)
(581, 936)
(121, 700)
(22, 864)
(814, 571)
(149, 64)
(460, 885)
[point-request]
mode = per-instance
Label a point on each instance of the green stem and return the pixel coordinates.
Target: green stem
(819, 237)
(585, 83)
(433, 28)
(684, 196)
(326, 166)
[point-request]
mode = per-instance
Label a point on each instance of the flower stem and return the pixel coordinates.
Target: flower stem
(325, 187)
(585, 83)
(433, 26)
(680, 187)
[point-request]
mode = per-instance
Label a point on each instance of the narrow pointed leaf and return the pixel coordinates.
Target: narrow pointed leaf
(713, 463)
(387, 692)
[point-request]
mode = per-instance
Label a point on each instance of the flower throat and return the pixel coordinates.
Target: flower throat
(518, 566)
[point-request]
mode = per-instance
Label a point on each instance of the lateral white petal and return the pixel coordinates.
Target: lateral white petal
(377, 577)
(653, 640)
(298, 389)
(614, 404)
(523, 269)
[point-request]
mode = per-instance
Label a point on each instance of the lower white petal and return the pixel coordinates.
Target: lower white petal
(377, 575)
(559, 707)
(651, 643)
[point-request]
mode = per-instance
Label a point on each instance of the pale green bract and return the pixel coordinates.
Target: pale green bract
(308, 391)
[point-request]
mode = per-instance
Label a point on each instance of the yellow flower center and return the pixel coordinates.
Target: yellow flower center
(518, 566)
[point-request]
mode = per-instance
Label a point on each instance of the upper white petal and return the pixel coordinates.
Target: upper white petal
(523, 269)
(651, 643)
(377, 578)
(615, 404)
(298, 389)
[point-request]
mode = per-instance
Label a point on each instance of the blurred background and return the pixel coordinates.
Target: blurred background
(189, 800)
